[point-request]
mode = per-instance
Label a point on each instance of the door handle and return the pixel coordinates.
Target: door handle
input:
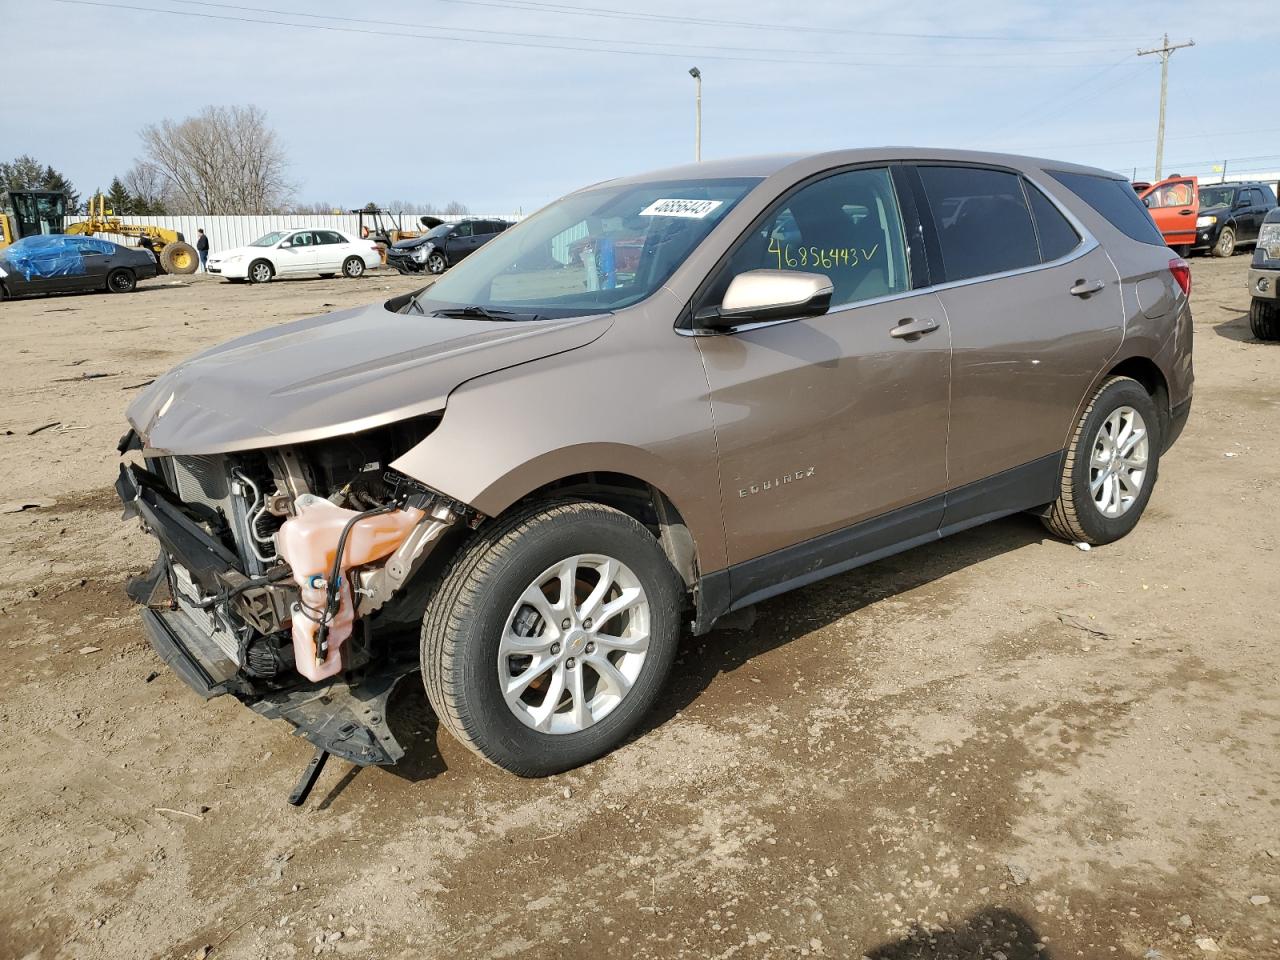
(1185, 213)
(1085, 287)
(910, 329)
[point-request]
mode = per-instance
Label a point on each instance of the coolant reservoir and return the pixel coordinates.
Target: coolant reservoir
(308, 542)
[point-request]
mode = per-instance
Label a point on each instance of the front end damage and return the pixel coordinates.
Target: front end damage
(292, 578)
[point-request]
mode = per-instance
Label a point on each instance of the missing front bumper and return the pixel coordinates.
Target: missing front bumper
(347, 718)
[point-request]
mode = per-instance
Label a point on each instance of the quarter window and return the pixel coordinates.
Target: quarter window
(1115, 201)
(846, 227)
(1056, 235)
(982, 220)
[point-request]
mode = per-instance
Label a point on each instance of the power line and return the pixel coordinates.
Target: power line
(583, 11)
(399, 34)
(566, 37)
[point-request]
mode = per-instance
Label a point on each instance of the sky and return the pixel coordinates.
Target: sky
(505, 105)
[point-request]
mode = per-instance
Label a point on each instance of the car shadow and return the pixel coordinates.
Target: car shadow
(1237, 328)
(796, 614)
(725, 649)
(994, 931)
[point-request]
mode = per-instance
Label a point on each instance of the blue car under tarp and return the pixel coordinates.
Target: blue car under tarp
(44, 257)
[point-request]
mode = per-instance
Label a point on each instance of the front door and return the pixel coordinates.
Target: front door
(298, 253)
(1174, 205)
(462, 241)
(1035, 312)
(824, 422)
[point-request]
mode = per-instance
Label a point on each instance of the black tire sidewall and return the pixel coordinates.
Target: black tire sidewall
(1120, 393)
(500, 735)
(346, 268)
(112, 288)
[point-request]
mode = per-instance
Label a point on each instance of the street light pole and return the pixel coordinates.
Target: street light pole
(697, 122)
(1165, 51)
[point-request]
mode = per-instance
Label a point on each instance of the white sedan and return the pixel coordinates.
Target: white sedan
(285, 253)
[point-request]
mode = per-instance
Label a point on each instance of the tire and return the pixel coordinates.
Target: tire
(1226, 243)
(436, 263)
(1076, 515)
(482, 593)
(260, 271)
(1183, 250)
(352, 267)
(179, 258)
(1264, 319)
(121, 281)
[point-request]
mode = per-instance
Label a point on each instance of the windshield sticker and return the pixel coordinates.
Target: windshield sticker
(689, 209)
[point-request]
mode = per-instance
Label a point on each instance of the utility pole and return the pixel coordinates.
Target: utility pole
(1165, 50)
(697, 123)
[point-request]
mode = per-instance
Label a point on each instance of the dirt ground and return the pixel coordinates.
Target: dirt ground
(998, 747)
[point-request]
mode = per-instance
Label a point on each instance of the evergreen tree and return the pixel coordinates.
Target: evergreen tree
(119, 199)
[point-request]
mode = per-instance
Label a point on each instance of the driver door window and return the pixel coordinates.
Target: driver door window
(846, 227)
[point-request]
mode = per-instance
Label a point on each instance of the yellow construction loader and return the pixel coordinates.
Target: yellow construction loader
(171, 249)
(26, 213)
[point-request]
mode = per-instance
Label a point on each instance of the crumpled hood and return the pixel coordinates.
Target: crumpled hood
(412, 242)
(335, 374)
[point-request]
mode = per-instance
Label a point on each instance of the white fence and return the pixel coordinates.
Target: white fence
(227, 232)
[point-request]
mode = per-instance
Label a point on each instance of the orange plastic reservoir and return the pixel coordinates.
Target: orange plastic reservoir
(308, 542)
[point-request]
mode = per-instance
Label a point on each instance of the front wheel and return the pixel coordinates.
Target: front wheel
(550, 636)
(260, 272)
(1264, 319)
(121, 281)
(352, 267)
(1226, 244)
(436, 263)
(1110, 467)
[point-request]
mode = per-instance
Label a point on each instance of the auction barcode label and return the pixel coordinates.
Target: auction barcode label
(692, 209)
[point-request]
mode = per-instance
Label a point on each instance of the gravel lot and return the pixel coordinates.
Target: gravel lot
(999, 746)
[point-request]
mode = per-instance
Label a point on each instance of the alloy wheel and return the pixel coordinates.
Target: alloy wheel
(574, 644)
(1118, 462)
(261, 273)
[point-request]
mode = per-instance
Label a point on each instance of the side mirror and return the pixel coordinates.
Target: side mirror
(760, 295)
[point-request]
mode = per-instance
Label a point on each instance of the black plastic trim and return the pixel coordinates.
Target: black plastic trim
(1011, 491)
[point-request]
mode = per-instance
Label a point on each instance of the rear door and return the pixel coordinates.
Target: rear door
(1174, 204)
(331, 249)
(1034, 310)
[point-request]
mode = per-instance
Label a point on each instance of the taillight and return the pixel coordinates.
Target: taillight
(1181, 271)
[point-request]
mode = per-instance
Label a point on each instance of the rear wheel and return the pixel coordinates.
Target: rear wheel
(1226, 244)
(121, 281)
(352, 267)
(260, 272)
(1110, 467)
(550, 636)
(436, 263)
(179, 257)
(1264, 319)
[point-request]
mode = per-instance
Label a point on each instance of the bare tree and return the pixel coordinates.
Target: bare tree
(222, 160)
(454, 208)
(149, 188)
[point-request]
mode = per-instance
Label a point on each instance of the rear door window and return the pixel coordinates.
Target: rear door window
(982, 221)
(1115, 201)
(328, 236)
(1056, 235)
(463, 229)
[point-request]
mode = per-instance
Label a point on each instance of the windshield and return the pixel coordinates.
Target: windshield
(590, 252)
(270, 240)
(435, 233)
(1217, 196)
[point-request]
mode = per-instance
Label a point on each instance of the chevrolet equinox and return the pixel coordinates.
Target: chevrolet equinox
(656, 401)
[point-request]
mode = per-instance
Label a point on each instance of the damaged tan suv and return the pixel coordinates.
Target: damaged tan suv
(656, 401)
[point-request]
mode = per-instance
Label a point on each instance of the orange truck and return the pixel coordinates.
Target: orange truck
(1174, 204)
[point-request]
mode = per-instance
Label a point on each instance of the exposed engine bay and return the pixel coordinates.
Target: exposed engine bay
(292, 577)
